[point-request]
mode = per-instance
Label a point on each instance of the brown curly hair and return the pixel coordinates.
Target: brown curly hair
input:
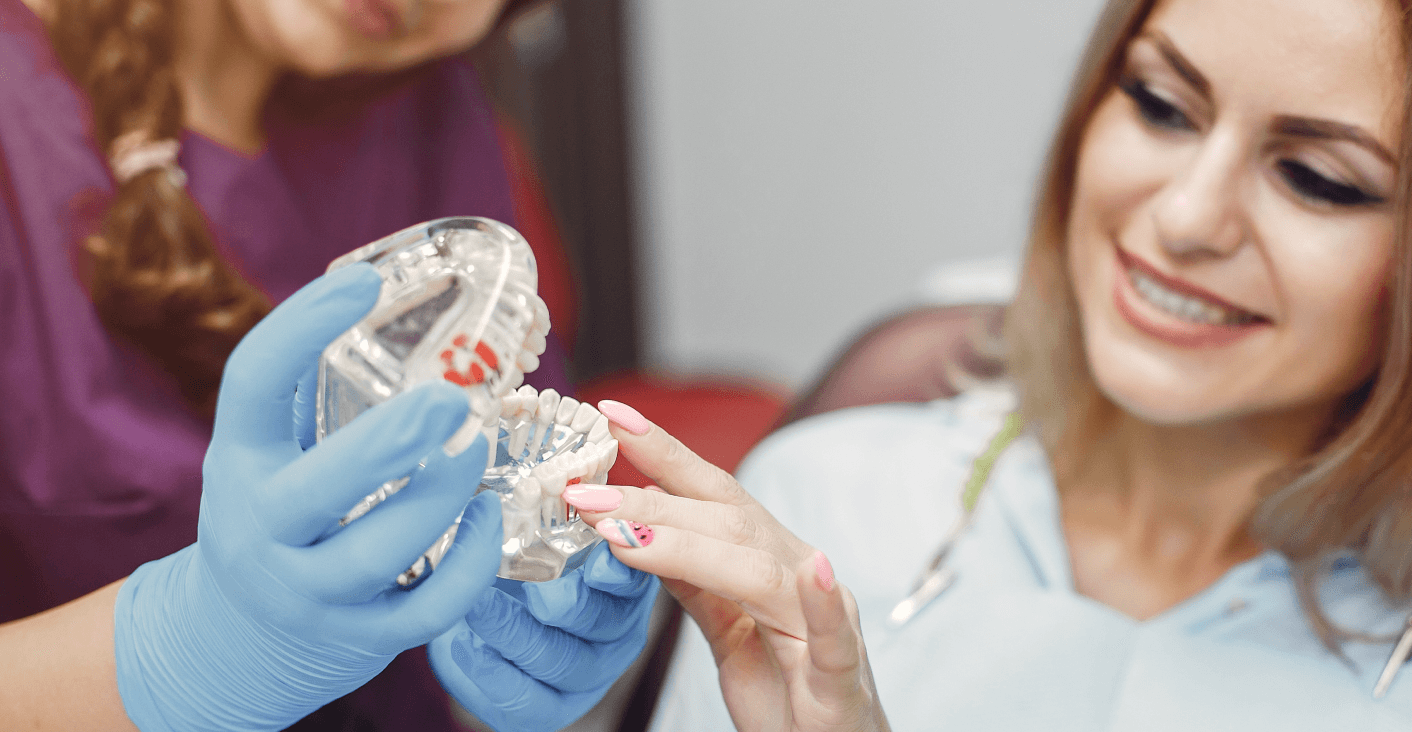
(156, 277)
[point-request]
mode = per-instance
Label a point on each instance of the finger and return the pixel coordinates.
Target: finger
(833, 642)
(666, 460)
(258, 385)
(548, 654)
(574, 605)
(755, 579)
(497, 691)
(362, 559)
(727, 522)
(308, 496)
(466, 572)
(305, 403)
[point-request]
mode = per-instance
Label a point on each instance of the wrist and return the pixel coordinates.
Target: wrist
(189, 660)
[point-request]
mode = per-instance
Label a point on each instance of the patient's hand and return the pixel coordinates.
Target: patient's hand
(784, 633)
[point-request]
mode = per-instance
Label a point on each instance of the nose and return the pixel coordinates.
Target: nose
(1198, 213)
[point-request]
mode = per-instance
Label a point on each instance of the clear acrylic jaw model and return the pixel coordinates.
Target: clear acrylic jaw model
(459, 303)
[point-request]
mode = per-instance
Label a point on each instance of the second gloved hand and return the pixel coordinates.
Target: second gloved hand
(534, 657)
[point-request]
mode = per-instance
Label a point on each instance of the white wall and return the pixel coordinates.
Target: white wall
(804, 164)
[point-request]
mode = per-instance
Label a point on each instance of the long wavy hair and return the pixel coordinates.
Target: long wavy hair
(155, 276)
(1353, 492)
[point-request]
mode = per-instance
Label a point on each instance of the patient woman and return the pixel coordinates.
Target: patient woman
(1206, 520)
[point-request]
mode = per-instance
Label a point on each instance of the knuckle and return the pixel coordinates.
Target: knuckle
(737, 528)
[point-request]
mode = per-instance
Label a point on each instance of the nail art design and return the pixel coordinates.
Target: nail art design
(593, 498)
(625, 533)
(823, 572)
(624, 416)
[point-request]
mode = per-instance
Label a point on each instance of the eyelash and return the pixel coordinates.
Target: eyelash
(1307, 183)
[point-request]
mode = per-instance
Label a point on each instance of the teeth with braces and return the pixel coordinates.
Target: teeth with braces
(1183, 306)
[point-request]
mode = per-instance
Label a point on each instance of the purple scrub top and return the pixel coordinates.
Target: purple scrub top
(100, 460)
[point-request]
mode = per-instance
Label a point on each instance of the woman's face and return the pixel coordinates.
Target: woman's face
(330, 37)
(1231, 229)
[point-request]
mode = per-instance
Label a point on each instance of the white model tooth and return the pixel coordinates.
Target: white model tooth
(548, 405)
(519, 435)
(565, 413)
(569, 464)
(599, 432)
(551, 478)
(527, 361)
(536, 342)
(583, 419)
(509, 404)
(514, 377)
(610, 456)
(541, 314)
(527, 493)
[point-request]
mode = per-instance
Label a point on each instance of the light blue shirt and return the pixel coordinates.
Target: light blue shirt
(1011, 645)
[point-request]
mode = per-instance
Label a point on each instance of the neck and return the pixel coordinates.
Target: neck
(1156, 513)
(224, 79)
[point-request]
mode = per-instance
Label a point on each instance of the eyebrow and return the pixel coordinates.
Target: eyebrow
(1303, 127)
(1178, 62)
(1322, 129)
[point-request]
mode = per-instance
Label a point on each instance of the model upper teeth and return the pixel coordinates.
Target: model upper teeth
(1184, 306)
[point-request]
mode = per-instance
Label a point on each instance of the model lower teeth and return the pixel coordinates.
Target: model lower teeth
(1184, 307)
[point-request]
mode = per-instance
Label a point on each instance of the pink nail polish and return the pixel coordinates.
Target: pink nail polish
(625, 533)
(823, 572)
(624, 416)
(593, 498)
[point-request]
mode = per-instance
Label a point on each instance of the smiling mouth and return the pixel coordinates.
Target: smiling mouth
(1184, 304)
(1186, 307)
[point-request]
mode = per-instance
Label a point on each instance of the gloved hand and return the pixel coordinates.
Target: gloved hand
(534, 657)
(261, 621)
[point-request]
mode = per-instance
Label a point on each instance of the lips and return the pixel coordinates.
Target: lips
(375, 19)
(1177, 312)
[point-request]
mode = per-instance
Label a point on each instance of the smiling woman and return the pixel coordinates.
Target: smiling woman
(1205, 523)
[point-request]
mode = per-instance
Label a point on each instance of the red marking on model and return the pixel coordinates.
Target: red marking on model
(575, 481)
(456, 377)
(487, 355)
(447, 355)
(477, 374)
(459, 341)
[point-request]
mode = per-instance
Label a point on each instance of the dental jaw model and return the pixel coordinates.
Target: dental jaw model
(459, 303)
(546, 443)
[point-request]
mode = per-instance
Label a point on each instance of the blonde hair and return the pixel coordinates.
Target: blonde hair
(1353, 492)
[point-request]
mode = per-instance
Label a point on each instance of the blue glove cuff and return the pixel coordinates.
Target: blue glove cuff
(187, 661)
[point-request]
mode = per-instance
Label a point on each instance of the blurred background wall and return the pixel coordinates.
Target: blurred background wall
(743, 185)
(800, 166)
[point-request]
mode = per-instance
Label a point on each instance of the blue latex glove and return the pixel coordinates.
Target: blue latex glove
(261, 621)
(538, 656)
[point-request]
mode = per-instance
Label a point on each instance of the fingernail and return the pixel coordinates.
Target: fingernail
(625, 533)
(624, 416)
(593, 498)
(655, 488)
(823, 572)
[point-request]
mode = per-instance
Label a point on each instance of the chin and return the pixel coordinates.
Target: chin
(1155, 390)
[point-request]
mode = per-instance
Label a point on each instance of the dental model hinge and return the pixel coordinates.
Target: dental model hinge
(1400, 652)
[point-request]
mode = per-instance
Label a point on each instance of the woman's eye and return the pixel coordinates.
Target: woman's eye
(1154, 109)
(1312, 185)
